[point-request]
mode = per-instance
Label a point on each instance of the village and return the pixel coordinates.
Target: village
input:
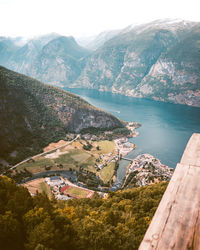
(63, 189)
(93, 161)
(88, 165)
(145, 169)
(123, 147)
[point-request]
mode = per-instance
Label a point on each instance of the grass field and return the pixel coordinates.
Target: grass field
(38, 185)
(80, 157)
(74, 157)
(91, 168)
(107, 172)
(37, 166)
(45, 188)
(106, 146)
(77, 192)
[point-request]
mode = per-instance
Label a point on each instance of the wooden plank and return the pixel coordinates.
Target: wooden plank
(176, 223)
(191, 155)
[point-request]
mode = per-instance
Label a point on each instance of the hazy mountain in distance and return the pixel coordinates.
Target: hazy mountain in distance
(59, 62)
(8, 47)
(159, 60)
(94, 42)
(52, 58)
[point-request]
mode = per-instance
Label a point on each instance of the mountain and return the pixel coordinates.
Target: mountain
(52, 58)
(95, 42)
(158, 60)
(33, 114)
(8, 47)
(60, 61)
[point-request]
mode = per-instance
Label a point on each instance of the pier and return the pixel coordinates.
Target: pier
(127, 159)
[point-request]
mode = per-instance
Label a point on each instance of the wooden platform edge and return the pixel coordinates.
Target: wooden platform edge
(176, 223)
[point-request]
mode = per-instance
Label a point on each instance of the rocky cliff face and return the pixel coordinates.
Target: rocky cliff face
(159, 60)
(53, 59)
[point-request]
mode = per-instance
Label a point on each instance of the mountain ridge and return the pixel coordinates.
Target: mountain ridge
(157, 60)
(145, 61)
(52, 58)
(33, 114)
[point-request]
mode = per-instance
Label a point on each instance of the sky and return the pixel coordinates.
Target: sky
(81, 18)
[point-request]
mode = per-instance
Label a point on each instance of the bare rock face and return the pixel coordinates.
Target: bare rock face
(82, 118)
(179, 84)
(55, 59)
(160, 60)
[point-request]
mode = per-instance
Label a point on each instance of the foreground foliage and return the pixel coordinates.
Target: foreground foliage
(118, 222)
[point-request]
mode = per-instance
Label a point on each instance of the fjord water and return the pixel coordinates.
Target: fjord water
(166, 128)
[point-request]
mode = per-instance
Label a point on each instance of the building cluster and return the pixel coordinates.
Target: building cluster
(132, 126)
(123, 146)
(105, 159)
(91, 137)
(56, 183)
(146, 169)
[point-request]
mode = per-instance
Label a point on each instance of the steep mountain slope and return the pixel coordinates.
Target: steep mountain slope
(59, 62)
(33, 114)
(159, 60)
(95, 42)
(7, 49)
(175, 76)
(52, 58)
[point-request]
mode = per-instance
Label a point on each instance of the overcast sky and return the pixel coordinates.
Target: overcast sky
(87, 17)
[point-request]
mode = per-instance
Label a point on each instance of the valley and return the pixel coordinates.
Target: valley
(157, 60)
(86, 163)
(92, 128)
(77, 168)
(34, 114)
(166, 128)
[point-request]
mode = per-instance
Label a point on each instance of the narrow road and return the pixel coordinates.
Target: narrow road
(49, 151)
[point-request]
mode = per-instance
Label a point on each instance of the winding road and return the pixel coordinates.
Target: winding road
(27, 159)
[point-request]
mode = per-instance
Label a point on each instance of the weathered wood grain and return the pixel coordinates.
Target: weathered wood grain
(176, 223)
(191, 155)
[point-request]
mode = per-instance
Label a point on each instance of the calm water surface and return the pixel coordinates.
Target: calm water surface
(166, 128)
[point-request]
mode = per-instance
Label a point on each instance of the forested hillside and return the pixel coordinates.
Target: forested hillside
(33, 114)
(118, 222)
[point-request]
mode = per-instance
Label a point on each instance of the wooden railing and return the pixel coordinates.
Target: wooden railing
(176, 223)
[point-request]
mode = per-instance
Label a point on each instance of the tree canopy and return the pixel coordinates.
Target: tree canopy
(117, 222)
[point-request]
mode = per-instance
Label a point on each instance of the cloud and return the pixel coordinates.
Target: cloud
(78, 17)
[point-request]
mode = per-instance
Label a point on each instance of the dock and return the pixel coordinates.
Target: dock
(127, 159)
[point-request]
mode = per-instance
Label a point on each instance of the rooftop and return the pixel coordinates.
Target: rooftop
(55, 178)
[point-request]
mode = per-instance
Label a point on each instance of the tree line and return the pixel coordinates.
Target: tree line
(117, 222)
